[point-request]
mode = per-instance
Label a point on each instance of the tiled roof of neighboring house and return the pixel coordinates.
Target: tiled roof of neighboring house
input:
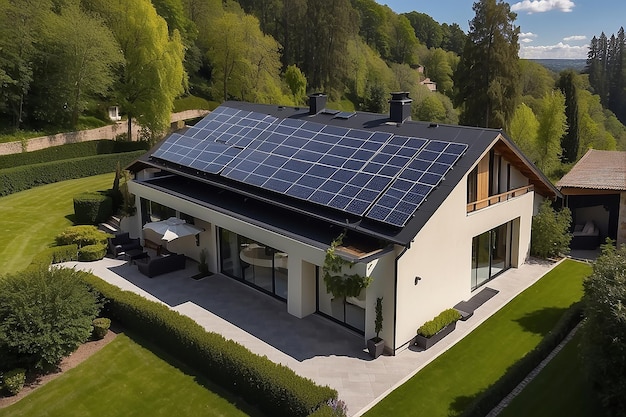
(598, 170)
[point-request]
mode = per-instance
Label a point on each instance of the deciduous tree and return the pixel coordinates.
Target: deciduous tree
(552, 127)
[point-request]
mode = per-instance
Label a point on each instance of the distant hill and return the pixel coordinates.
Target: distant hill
(558, 65)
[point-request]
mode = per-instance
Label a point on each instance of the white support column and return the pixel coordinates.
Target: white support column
(301, 287)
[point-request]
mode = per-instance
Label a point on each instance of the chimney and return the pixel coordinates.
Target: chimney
(317, 103)
(400, 107)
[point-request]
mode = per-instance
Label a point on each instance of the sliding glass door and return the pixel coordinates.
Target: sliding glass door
(490, 254)
(254, 263)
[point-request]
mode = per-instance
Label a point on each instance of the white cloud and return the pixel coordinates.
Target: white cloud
(575, 38)
(540, 6)
(526, 35)
(559, 51)
(526, 40)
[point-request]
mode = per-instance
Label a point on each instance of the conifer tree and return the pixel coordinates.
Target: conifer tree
(487, 77)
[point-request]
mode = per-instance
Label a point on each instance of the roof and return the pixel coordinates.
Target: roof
(223, 188)
(597, 170)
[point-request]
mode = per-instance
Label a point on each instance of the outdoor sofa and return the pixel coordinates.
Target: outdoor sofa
(121, 243)
(162, 264)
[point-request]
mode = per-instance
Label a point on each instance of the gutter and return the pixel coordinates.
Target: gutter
(395, 297)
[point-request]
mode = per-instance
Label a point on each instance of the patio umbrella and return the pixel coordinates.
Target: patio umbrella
(173, 228)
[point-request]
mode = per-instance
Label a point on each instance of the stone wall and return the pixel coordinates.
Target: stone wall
(105, 132)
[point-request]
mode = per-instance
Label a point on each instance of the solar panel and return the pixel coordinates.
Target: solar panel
(378, 175)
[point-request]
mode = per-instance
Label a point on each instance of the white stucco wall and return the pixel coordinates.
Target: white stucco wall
(441, 256)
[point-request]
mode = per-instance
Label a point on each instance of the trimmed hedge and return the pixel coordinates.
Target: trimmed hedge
(13, 180)
(71, 151)
(432, 327)
(92, 208)
(13, 381)
(92, 252)
(100, 327)
(82, 236)
(55, 255)
(273, 388)
(492, 396)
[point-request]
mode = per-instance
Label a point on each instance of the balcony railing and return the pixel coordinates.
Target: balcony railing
(499, 198)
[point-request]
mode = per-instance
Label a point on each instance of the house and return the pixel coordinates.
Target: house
(431, 212)
(595, 192)
(431, 85)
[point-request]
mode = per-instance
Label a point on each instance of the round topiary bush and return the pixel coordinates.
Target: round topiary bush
(92, 252)
(101, 326)
(92, 208)
(13, 381)
(82, 236)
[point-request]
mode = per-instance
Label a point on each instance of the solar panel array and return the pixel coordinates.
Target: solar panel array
(372, 174)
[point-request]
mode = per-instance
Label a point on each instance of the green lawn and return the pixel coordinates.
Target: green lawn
(559, 390)
(449, 384)
(29, 220)
(126, 379)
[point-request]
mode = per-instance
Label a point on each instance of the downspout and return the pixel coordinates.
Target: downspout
(395, 297)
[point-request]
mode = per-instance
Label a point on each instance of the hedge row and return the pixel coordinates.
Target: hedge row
(71, 151)
(13, 180)
(56, 254)
(273, 388)
(432, 327)
(491, 397)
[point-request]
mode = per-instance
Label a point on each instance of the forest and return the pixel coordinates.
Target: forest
(65, 61)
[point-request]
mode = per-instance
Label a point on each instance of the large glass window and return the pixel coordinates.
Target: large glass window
(254, 263)
(348, 311)
(490, 254)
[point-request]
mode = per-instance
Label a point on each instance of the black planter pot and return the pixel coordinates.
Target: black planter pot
(375, 347)
(426, 342)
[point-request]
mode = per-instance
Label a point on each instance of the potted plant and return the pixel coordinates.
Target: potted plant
(376, 345)
(436, 329)
(203, 267)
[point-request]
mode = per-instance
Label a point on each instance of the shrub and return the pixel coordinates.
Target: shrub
(274, 388)
(55, 255)
(82, 236)
(90, 253)
(13, 381)
(434, 326)
(92, 208)
(22, 178)
(45, 314)
(70, 151)
(604, 332)
(550, 231)
(100, 327)
(191, 103)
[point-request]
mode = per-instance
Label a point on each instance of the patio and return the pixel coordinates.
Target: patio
(313, 346)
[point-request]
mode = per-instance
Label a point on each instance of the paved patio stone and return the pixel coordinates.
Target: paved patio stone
(313, 347)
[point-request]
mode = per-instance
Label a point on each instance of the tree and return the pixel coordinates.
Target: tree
(153, 74)
(523, 130)
(550, 231)
(81, 55)
(20, 24)
(296, 82)
(246, 63)
(568, 86)
(487, 78)
(552, 127)
(430, 109)
(439, 70)
(453, 38)
(427, 30)
(45, 314)
(604, 330)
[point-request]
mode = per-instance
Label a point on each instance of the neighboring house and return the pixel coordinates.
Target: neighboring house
(431, 85)
(432, 212)
(595, 192)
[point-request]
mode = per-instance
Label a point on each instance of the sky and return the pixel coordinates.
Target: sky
(549, 29)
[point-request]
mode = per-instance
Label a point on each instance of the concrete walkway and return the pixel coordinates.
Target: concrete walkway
(313, 346)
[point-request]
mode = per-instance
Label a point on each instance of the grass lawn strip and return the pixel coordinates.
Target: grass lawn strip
(561, 389)
(29, 220)
(448, 384)
(125, 379)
